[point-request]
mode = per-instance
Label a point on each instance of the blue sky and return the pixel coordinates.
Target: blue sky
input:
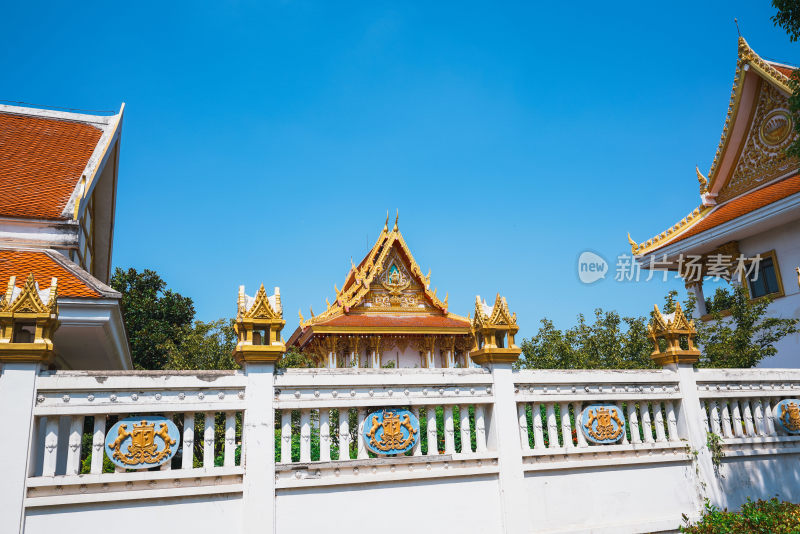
(265, 141)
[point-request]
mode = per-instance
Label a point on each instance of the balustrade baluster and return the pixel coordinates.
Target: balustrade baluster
(748, 419)
(74, 445)
(230, 439)
(715, 426)
(704, 412)
(621, 412)
(758, 416)
(433, 445)
(98, 444)
(552, 428)
(768, 415)
(661, 437)
(208, 441)
(647, 428)
(362, 446)
(324, 435)
(449, 430)
(480, 428)
(582, 443)
(523, 427)
(344, 434)
(466, 435)
(538, 426)
(633, 421)
(566, 426)
(50, 447)
(727, 431)
(672, 422)
(187, 458)
(738, 429)
(305, 435)
(286, 436)
(417, 449)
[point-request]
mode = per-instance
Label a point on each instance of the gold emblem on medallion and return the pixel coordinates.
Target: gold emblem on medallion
(392, 438)
(143, 448)
(604, 430)
(790, 416)
(776, 127)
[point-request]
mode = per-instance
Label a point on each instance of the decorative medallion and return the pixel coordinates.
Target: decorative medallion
(391, 431)
(142, 442)
(787, 415)
(602, 423)
(776, 127)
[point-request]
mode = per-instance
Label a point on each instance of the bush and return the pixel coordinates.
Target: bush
(767, 517)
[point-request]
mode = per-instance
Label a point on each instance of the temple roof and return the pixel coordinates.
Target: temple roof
(45, 154)
(750, 169)
(44, 265)
(385, 292)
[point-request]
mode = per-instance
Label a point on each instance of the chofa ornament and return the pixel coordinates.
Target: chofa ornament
(142, 442)
(603, 423)
(391, 431)
(787, 415)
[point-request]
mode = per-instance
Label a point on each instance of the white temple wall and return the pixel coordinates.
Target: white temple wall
(785, 241)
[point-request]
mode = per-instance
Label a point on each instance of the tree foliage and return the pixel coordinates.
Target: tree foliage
(203, 346)
(156, 318)
(745, 335)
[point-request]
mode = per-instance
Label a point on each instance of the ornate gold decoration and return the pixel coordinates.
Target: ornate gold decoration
(258, 326)
(143, 448)
(392, 438)
(28, 320)
(672, 328)
(684, 224)
(490, 328)
(790, 417)
(604, 430)
(763, 155)
(701, 180)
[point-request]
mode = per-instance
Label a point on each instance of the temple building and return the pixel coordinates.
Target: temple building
(749, 204)
(58, 181)
(386, 315)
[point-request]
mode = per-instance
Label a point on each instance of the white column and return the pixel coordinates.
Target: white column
(305, 436)
(466, 435)
(259, 449)
(230, 439)
(700, 300)
(74, 453)
(726, 420)
(737, 419)
(17, 394)
(417, 450)
(286, 436)
(552, 427)
(344, 434)
(566, 426)
(513, 493)
(433, 443)
(99, 442)
(187, 461)
(324, 435)
(362, 446)
(672, 422)
(633, 421)
(748, 419)
(480, 428)
(208, 441)
(331, 360)
(767, 403)
(647, 427)
(449, 430)
(538, 432)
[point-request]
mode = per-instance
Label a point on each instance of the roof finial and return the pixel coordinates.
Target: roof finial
(397, 218)
(737, 26)
(386, 224)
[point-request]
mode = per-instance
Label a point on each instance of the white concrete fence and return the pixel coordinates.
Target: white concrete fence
(284, 452)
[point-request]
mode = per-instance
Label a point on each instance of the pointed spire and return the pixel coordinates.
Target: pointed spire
(396, 218)
(701, 180)
(386, 224)
(300, 314)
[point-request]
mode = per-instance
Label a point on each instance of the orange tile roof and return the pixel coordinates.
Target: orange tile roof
(430, 321)
(41, 161)
(786, 71)
(743, 205)
(21, 263)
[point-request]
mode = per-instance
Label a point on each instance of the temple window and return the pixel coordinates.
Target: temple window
(766, 280)
(500, 339)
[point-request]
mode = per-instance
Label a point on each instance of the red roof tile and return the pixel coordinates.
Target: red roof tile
(394, 321)
(743, 205)
(21, 263)
(786, 71)
(41, 161)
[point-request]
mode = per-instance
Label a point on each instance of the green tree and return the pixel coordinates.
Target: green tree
(203, 346)
(745, 335)
(788, 18)
(156, 318)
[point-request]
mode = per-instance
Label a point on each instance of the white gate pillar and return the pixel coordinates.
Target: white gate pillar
(17, 397)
